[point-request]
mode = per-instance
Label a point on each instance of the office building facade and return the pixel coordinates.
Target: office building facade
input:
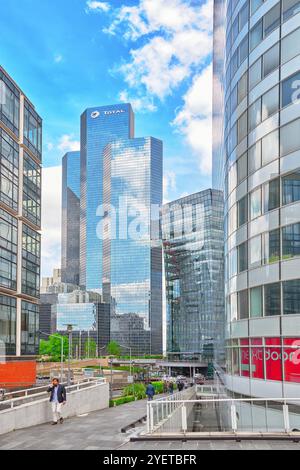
(132, 254)
(261, 160)
(20, 222)
(99, 126)
(193, 239)
(70, 227)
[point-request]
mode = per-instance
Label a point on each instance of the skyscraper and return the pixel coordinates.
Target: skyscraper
(20, 221)
(194, 268)
(99, 126)
(261, 155)
(132, 255)
(70, 228)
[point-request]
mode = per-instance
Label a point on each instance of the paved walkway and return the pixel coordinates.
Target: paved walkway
(98, 430)
(101, 430)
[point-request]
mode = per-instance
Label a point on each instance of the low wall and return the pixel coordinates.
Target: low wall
(38, 412)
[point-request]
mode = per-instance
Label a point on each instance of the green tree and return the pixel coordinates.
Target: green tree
(90, 348)
(52, 347)
(114, 349)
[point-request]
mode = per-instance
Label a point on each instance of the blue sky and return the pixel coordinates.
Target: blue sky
(68, 55)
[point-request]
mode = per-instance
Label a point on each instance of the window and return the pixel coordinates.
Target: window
(270, 102)
(272, 246)
(256, 303)
(255, 203)
(243, 50)
(32, 130)
(271, 60)
(290, 46)
(242, 257)
(255, 251)
(255, 4)
(272, 195)
(29, 328)
(255, 114)
(255, 74)
(32, 190)
(272, 299)
(290, 137)
(270, 147)
(272, 19)
(8, 250)
(242, 168)
(256, 35)
(30, 262)
(291, 188)
(254, 157)
(9, 108)
(291, 297)
(243, 15)
(242, 127)
(8, 313)
(242, 87)
(243, 211)
(290, 8)
(243, 305)
(290, 90)
(291, 241)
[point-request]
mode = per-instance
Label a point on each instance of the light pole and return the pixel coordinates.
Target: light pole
(61, 351)
(130, 365)
(70, 331)
(100, 349)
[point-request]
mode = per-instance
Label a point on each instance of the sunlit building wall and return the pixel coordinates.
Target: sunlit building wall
(20, 222)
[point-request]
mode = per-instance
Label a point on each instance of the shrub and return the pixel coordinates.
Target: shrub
(137, 390)
(121, 401)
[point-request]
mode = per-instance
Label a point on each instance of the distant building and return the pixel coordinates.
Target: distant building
(131, 330)
(70, 247)
(193, 237)
(99, 126)
(132, 253)
(20, 223)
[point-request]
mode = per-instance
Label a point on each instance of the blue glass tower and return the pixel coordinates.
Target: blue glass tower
(70, 218)
(99, 126)
(132, 254)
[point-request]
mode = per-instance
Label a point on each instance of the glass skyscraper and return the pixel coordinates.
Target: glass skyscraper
(193, 240)
(132, 254)
(70, 228)
(261, 162)
(20, 223)
(99, 126)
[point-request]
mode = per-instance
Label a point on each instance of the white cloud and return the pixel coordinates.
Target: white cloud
(51, 219)
(67, 144)
(169, 184)
(58, 58)
(176, 37)
(95, 6)
(194, 119)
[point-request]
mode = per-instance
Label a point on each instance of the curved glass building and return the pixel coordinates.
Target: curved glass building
(261, 159)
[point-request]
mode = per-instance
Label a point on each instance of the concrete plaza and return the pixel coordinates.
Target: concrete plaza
(101, 430)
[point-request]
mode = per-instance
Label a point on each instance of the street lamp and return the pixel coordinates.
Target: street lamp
(70, 331)
(62, 350)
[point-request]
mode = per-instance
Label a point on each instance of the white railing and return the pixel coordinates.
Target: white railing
(174, 415)
(33, 394)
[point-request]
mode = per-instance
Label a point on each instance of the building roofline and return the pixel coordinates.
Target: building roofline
(17, 86)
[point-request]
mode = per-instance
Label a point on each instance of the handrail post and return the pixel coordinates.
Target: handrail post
(233, 418)
(151, 418)
(286, 418)
(183, 418)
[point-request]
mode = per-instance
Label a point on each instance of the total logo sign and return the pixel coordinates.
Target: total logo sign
(96, 114)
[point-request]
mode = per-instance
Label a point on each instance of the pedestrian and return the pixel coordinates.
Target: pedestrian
(150, 391)
(58, 398)
(171, 388)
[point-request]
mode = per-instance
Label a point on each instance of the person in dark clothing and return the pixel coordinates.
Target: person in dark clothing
(171, 388)
(150, 391)
(58, 398)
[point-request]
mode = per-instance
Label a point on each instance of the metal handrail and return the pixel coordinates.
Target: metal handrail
(34, 397)
(27, 390)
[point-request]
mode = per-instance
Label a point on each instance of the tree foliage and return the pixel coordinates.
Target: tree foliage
(52, 347)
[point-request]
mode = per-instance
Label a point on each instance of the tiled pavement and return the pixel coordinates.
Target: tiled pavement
(102, 431)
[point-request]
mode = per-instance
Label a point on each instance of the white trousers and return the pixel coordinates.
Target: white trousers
(56, 410)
